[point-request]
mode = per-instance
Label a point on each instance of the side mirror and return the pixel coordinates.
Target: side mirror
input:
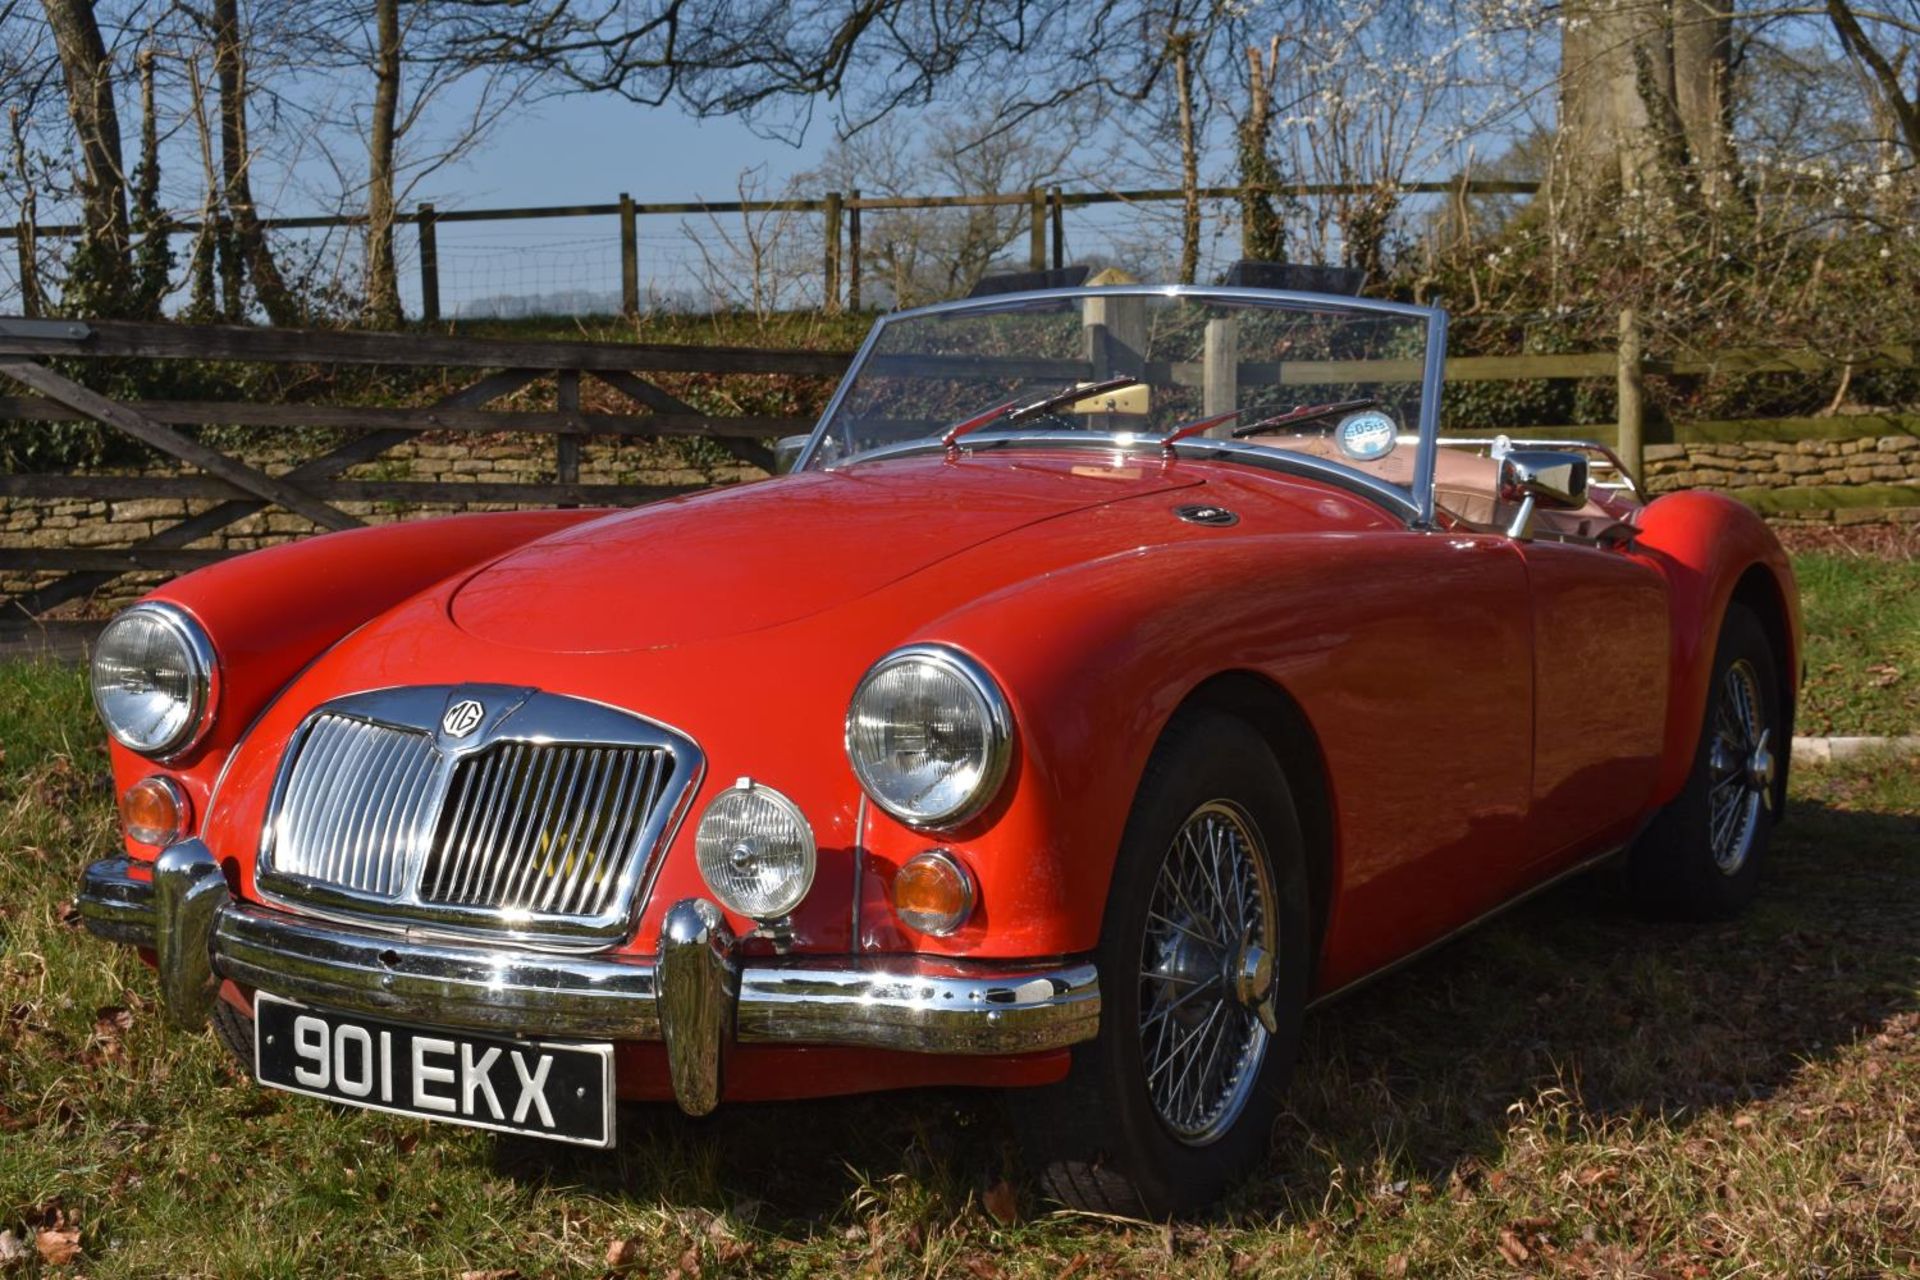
(787, 451)
(1541, 477)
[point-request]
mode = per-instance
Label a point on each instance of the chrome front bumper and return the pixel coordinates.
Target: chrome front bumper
(697, 996)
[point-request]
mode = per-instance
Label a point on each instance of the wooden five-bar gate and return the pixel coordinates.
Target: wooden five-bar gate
(493, 369)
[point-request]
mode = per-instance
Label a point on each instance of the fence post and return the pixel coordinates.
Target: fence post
(629, 259)
(1059, 228)
(1631, 441)
(566, 461)
(29, 270)
(832, 283)
(1037, 230)
(853, 250)
(232, 306)
(429, 267)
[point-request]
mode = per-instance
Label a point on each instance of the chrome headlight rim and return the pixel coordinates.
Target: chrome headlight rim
(203, 683)
(798, 886)
(999, 718)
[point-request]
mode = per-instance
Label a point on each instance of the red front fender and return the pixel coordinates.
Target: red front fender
(271, 612)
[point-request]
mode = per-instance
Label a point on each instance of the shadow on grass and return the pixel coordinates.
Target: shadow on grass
(1572, 991)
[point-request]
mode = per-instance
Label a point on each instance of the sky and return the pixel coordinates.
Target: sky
(589, 148)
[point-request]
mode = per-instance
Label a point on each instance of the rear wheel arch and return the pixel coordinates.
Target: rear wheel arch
(1280, 720)
(1759, 591)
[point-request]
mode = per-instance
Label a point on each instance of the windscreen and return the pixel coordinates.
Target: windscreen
(1340, 384)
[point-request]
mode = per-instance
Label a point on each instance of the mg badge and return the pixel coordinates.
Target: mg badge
(462, 718)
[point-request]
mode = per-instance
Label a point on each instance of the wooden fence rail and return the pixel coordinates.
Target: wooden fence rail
(497, 368)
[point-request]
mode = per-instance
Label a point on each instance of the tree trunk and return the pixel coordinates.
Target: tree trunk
(153, 259)
(104, 264)
(1189, 160)
(1645, 99)
(383, 284)
(201, 304)
(1895, 101)
(32, 303)
(1262, 232)
(250, 239)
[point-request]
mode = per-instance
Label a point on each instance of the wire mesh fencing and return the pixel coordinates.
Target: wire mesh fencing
(761, 256)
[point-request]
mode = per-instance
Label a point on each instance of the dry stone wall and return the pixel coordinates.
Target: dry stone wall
(84, 524)
(1865, 479)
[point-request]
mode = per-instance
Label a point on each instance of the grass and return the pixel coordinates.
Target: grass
(1863, 642)
(1570, 1091)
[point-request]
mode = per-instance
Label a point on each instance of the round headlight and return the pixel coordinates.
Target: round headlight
(929, 733)
(755, 851)
(153, 679)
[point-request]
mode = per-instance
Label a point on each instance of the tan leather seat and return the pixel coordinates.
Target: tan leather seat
(1466, 486)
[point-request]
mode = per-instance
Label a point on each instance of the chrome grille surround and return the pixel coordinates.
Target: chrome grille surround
(541, 824)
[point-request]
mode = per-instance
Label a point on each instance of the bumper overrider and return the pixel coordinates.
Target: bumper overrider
(696, 996)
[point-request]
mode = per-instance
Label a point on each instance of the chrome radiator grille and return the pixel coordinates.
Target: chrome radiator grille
(541, 827)
(354, 804)
(479, 810)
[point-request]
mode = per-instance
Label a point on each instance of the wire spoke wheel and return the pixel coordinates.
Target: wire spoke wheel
(1740, 767)
(1206, 973)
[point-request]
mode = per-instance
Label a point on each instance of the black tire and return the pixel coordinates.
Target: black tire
(1098, 1139)
(234, 1029)
(1689, 863)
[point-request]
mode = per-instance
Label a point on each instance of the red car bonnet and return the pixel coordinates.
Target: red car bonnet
(734, 561)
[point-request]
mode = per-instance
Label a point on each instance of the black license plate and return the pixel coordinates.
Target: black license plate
(558, 1091)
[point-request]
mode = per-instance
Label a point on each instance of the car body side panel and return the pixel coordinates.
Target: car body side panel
(1401, 648)
(1703, 543)
(1601, 670)
(273, 610)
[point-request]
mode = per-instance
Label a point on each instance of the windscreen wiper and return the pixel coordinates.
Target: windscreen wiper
(1305, 413)
(1013, 412)
(1194, 428)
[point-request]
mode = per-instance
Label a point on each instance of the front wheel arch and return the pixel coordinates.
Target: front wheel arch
(1274, 714)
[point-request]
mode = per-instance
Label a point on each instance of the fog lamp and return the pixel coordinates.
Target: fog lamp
(155, 811)
(933, 893)
(755, 850)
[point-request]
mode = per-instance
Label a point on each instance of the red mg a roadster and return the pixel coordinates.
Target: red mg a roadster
(1118, 673)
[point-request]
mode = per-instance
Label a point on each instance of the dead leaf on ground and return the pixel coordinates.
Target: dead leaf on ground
(622, 1254)
(58, 1246)
(506, 1273)
(12, 1249)
(1511, 1249)
(1001, 1204)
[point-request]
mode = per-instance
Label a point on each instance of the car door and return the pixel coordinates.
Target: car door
(1600, 674)
(1428, 746)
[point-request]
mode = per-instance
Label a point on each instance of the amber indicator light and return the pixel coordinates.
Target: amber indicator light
(933, 893)
(154, 811)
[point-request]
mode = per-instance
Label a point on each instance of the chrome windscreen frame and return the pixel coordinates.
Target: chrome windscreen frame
(1415, 505)
(512, 714)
